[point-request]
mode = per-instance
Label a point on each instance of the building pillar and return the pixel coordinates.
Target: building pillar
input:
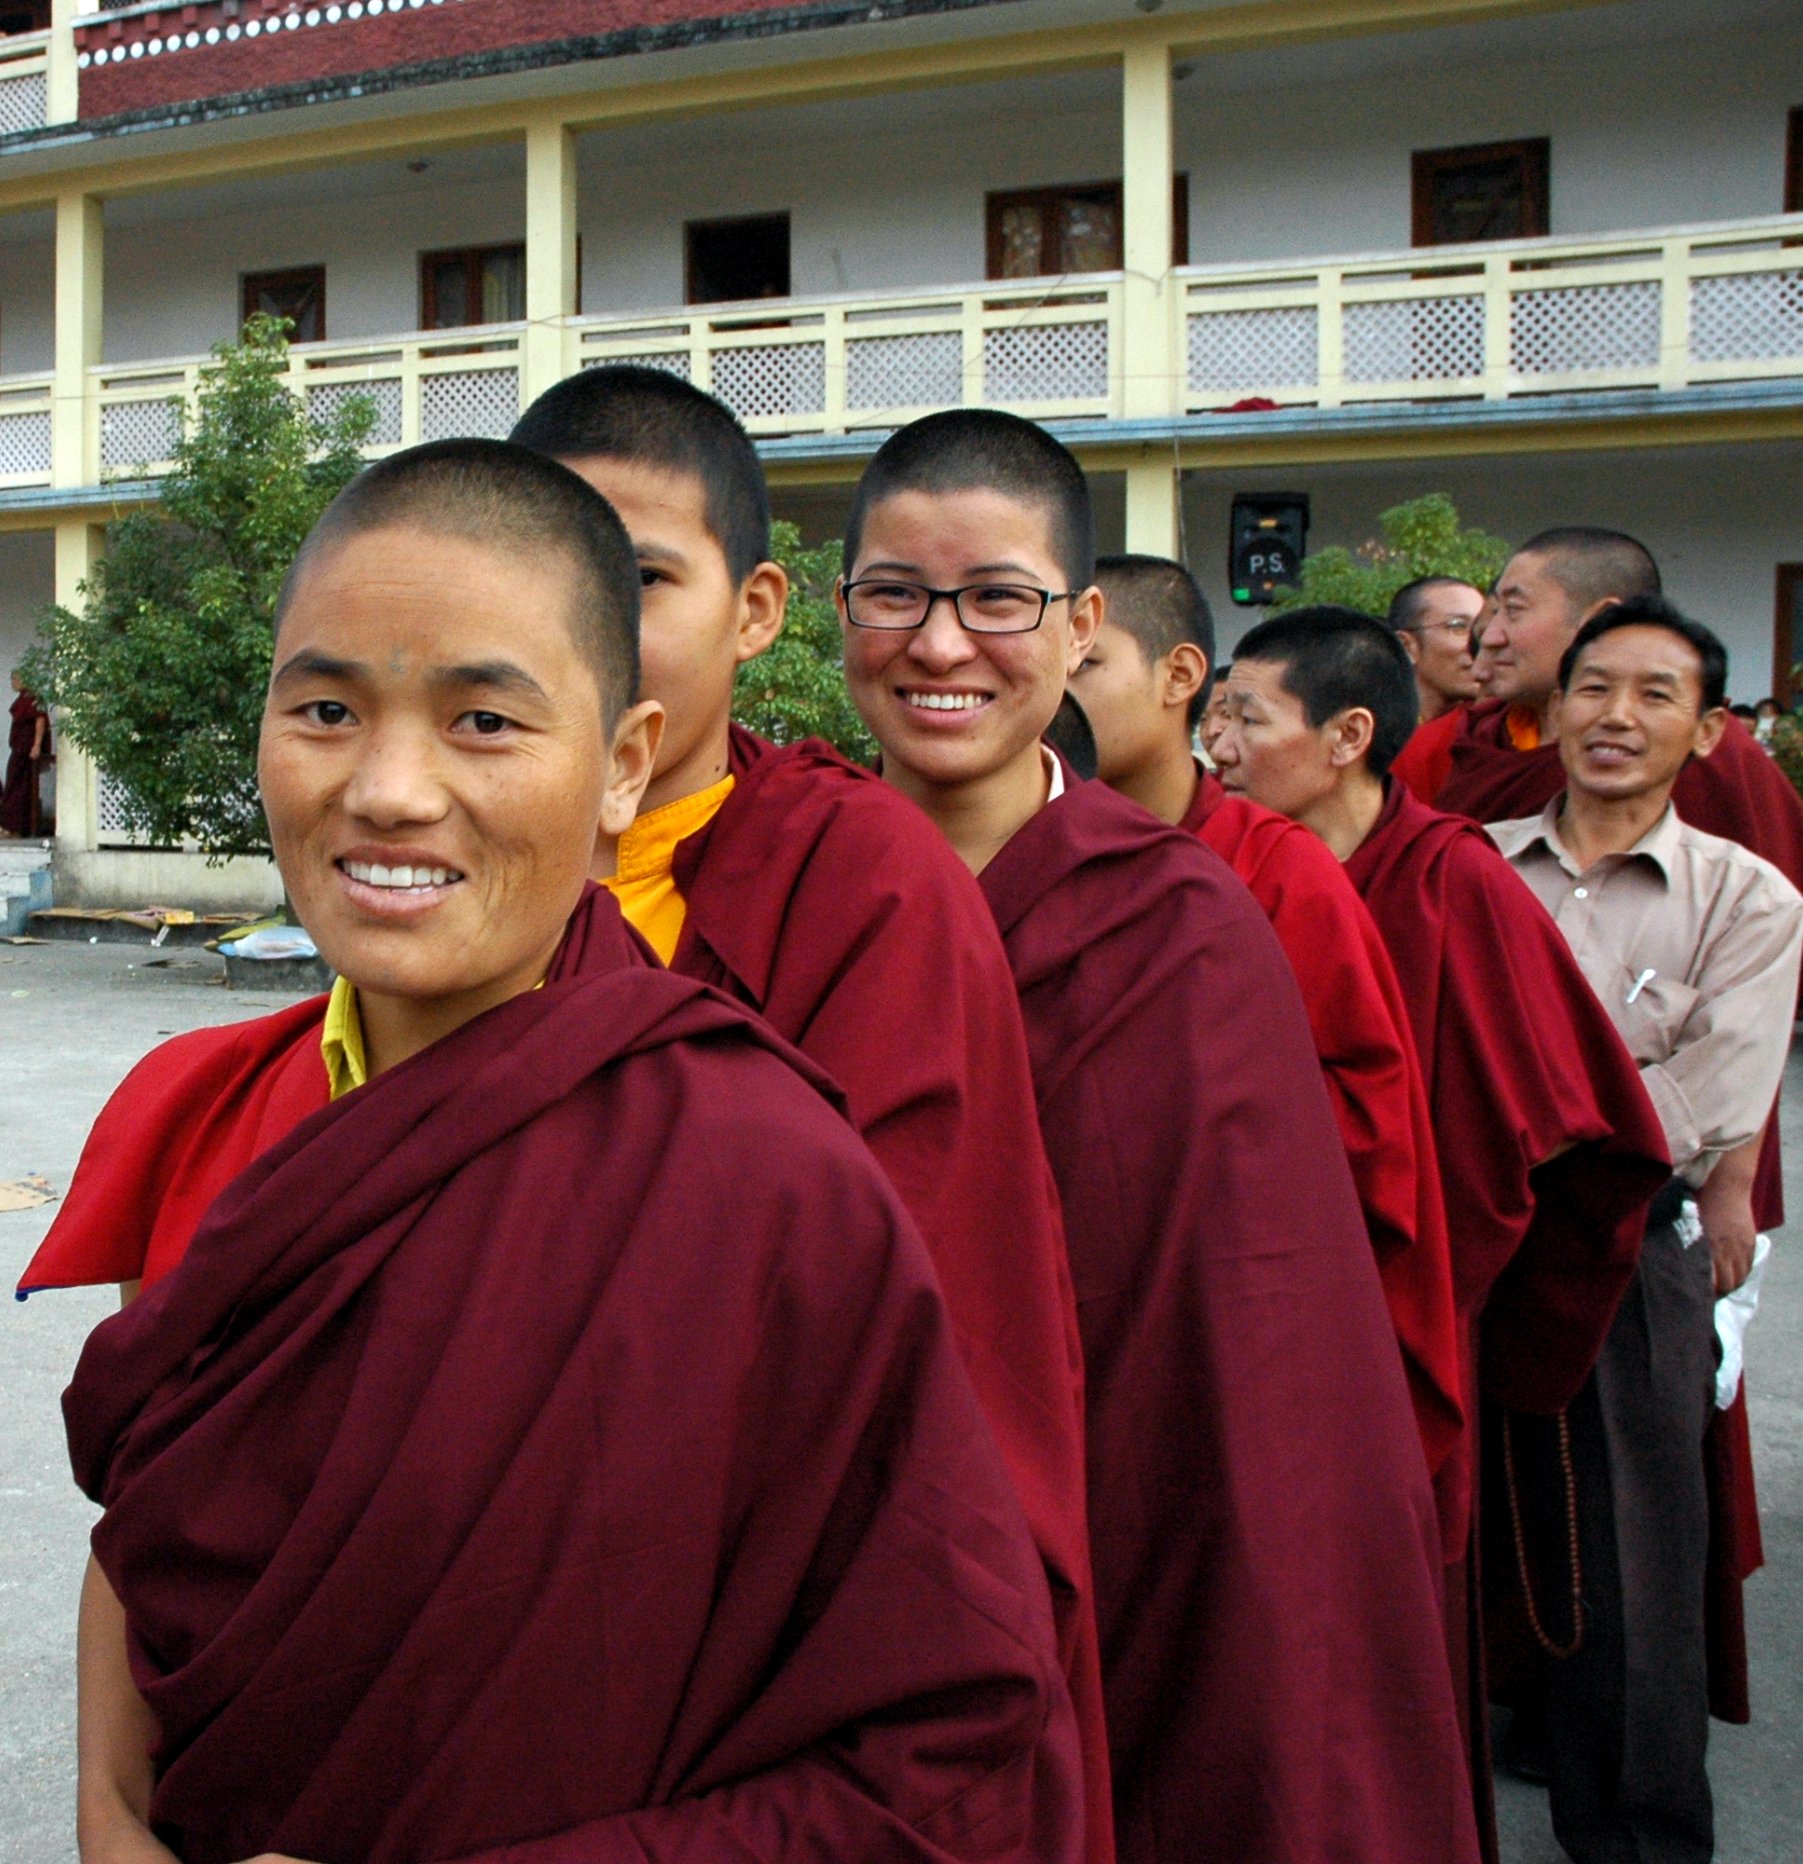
(62, 89)
(552, 284)
(1148, 376)
(80, 264)
(78, 548)
(1152, 492)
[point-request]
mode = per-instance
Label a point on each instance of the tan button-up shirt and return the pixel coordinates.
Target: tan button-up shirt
(1693, 944)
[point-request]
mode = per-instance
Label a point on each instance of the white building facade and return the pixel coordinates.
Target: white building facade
(1547, 258)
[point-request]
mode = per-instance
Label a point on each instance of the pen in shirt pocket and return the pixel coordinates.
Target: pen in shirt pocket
(1641, 982)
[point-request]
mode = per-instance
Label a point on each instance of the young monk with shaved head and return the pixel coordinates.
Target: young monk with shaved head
(1143, 684)
(806, 889)
(1552, 1149)
(551, 1447)
(1265, 1550)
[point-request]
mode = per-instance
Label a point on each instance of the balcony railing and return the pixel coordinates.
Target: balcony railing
(24, 430)
(24, 82)
(1671, 309)
(1667, 310)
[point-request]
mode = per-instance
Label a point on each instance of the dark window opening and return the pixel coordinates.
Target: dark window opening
(1793, 163)
(1491, 190)
(472, 285)
(298, 294)
(19, 16)
(725, 261)
(1787, 632)
(1048, 232)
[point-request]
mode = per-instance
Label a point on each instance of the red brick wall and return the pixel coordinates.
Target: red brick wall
(440, 29)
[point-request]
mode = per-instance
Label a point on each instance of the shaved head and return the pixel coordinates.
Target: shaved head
(523, 507)
(1593, 565)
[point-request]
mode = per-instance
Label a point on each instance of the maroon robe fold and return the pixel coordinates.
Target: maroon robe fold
(1521, 1060)
(1740, 794)
(557, 1449)
(829, 904)
(1367, 1052)
(1264, 1542)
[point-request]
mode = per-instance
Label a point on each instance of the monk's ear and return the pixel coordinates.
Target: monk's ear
(1709, 731)
(763, 603)
(1185, 671)
(630, 759)
(1349, 736)
(1411, 645)
(1086, 624)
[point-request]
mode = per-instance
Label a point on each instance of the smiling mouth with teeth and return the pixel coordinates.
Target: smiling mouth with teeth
(403, 879)
(946, 702)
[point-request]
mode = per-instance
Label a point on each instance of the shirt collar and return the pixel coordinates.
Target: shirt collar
(648, 848)
(1658, 845)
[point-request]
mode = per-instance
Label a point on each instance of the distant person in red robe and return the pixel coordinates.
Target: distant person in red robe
(555, 1447)
(1549, 1147)
(1265, 1549)
(810, 892)
(28, 750)
(1498, 761)
(1433, 617)
(1143, 685)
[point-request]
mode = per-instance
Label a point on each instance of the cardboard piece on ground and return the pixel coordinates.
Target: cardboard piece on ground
(26, 1193)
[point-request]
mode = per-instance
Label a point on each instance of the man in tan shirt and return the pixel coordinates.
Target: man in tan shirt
(1693, 945)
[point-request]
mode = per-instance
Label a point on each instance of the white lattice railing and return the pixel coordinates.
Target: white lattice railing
(24, 82)
(1671, 309)
(24, 430)
(448, 384)
(1048, 349)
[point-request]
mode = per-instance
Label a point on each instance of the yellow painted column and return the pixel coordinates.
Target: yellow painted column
(62, 98)
(80, 263)
(78, 548)
(1152, 504)
(1148, 351)
(551, 279)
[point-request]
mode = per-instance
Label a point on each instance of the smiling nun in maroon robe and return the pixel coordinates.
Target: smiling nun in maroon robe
(1264, 1543)
(555, 1447)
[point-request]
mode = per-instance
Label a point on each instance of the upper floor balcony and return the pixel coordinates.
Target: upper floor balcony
(1674, 309)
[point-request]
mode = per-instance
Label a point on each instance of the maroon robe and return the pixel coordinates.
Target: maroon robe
(1740, 794)
(1265, 1547)
(831, 906)
(1521, 1060)
(21, 812)
(1361, 1033)
(559, 1444)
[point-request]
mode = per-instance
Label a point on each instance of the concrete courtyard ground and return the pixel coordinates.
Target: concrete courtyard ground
(73, 1019)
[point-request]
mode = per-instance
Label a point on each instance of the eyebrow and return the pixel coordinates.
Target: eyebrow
(495, 675)
(311, 664)
(978, 569)
(491, 675)
(651, 551)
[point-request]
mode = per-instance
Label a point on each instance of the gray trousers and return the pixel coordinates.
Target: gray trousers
(1628, 1715)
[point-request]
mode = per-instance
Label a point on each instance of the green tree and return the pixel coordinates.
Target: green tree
(160, 673)
(797, 689)
(1420, 538)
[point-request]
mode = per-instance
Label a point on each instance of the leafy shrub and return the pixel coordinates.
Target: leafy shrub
(160, 673)
(797, 689)
(1420, 538)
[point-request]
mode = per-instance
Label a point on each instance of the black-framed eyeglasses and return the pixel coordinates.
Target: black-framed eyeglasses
(887, 604)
